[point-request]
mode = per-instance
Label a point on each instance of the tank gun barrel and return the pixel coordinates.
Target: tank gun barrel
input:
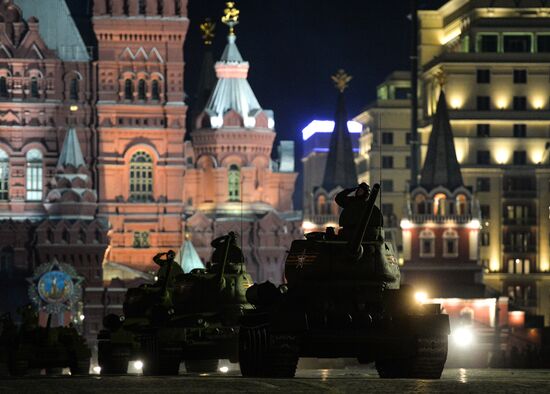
(230, 239)
(354, 244)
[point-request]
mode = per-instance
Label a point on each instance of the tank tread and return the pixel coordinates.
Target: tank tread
(428, 362)
(263, 354)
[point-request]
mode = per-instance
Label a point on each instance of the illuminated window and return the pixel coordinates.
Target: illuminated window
(4, 176)
(484, 76)
(141, 89)
(427, 243)
(73, 93)
(155, 90)
(321, 205)
(420, 204)
(440, 205)
(34, 175)
(450, 243)
(461, 205)
(141, 239)
(128, 89)
(141, 177)
(520, 76)
(34, 88)
(234, 182)
(3, 87)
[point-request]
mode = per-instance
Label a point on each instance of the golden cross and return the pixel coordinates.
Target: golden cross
(231, 16)
(207, 28)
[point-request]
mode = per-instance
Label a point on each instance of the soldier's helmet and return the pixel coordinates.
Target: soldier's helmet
(171, 254)
(363, 190)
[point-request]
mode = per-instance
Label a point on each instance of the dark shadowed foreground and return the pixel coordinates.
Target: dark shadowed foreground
(353, 380)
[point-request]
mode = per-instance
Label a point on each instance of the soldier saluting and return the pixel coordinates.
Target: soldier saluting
(169, 269)
(353, 207)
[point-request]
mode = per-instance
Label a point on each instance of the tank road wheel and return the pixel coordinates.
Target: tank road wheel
(112, 359)
(159, 361)
(262, 353)
(18, 364)
(201, 365)
(428, 363)
(80, 366)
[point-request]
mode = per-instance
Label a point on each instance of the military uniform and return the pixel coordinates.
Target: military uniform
(353, 208)
(175, 270)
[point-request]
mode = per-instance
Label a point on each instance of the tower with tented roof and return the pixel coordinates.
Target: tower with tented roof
(442, 221)
(234, 183)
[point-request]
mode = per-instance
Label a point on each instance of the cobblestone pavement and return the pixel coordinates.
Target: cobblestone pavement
(348, 380)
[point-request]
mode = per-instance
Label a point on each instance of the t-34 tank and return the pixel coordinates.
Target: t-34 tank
(51, 348)
(342, 299)
(191, 317)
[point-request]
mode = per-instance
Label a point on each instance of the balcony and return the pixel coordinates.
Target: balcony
(520, 248)
(525, 193)
(439, 219)
(528, 221)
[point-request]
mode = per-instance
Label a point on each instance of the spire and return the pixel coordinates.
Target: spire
(232, 91)
(71, 154)
(188, 257)
(340, 168)
(207, 77)
(441, 167)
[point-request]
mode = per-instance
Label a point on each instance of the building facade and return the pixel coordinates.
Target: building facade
(493, 57)
(95, 170)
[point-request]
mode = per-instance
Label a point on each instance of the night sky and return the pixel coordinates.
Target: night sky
(294, 46)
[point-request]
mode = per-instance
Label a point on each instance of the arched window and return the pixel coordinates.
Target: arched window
(73, 89)
(450, 243)
(34, 175)
(128, 89)
(141, 177)
(427, 244)
(461, 205)
(3, 87)
(321, 204)
(234, 180)
(141, 89)
(34, 88)
(155, 90)
(4, 176)
(440, 204)
(420, 204)
(6, 261)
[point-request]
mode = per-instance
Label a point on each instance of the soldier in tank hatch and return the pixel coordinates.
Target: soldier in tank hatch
(234, 254)
(175, 268)
(352, 210)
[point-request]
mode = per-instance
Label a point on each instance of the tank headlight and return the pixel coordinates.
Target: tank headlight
(224, 369)
(138, 365)
(97, 369)
(421, 297)
(463, 336)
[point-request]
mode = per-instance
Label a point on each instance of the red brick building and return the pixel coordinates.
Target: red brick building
(95, 170)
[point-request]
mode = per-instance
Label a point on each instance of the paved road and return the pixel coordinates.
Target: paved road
(350, 380)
